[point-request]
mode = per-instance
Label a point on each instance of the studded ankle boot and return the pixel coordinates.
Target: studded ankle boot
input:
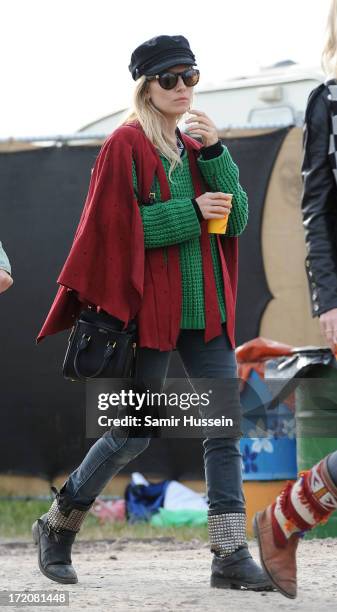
(54, 534)
(233, 566)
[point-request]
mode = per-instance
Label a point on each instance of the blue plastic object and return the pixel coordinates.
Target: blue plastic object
(268, 445)
(142, 501)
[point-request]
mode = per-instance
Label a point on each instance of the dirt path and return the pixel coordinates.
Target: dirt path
(161, 575)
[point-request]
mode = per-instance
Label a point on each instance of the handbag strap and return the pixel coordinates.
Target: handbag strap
(82, 346)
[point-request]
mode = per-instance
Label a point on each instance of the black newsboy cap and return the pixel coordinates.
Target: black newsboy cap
(159, 53)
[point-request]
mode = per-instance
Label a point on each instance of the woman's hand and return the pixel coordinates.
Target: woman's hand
(202, 126)
(328, 325)
(214, 205)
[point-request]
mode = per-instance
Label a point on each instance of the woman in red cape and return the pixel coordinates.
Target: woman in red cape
(143, 251)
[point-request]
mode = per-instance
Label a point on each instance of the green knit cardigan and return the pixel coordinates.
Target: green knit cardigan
(176, 222)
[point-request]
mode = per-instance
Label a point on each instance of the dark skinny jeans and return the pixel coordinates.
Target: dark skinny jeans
(222, 457)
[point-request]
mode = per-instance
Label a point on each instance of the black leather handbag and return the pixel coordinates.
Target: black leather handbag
(99, 348)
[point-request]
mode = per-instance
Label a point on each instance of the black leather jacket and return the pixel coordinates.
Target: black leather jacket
(319, 204)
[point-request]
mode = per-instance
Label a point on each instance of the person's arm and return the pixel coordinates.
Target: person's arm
(5, 271)
(222, 174)
(167, 223)
(4, 261)
(319, 208)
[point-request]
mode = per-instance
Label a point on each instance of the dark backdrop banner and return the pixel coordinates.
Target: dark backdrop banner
(42, 193)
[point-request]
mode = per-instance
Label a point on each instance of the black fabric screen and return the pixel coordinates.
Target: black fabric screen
(41, 197)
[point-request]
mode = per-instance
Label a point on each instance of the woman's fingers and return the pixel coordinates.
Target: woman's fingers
(193, 123)
(215, 205)
(220, 204)
(201, 125)
(201, 117)
(198, 130)
(218, 207)
(221, 201)
(219, 195)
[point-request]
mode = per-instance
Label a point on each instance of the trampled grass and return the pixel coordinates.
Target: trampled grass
(17, 517)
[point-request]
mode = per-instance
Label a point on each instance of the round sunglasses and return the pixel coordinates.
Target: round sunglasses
(168, 80)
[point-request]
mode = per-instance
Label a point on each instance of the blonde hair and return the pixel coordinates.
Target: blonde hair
(329, 54)
(152, 122)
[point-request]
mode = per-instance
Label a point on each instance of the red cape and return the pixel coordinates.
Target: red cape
(108, 265)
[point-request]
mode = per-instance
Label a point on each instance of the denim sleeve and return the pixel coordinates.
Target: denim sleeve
(4, 261)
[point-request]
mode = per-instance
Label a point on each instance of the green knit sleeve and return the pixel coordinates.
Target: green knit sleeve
(222, 174)
(169, 222)
(166, 223)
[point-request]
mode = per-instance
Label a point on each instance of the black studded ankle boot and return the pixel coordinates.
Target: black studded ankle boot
(233, 566)
(54, 534)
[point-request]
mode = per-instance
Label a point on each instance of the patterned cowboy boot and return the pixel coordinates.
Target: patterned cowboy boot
(54, 534)
(299, 507)
(233, 566)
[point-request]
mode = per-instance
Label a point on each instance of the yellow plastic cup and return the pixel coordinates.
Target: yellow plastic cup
(219, 226)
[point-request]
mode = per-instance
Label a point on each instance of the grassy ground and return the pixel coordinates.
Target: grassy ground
(17, 517)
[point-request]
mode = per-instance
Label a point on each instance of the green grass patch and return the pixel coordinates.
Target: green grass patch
(17, 517)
